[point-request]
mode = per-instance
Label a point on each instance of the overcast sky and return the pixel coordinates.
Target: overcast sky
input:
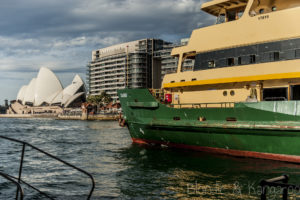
(61, 34)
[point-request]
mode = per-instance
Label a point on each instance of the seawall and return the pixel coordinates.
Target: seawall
(89, 117)
(27, 116)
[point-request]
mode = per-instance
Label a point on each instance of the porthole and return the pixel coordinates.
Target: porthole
(225, 93)
(274, 8)
(232, 93)
(261, 11)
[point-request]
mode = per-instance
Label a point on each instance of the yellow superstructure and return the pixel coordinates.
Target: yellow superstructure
(252, 53)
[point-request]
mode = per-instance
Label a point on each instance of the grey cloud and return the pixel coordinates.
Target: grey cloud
(61, 34)
(64, 18)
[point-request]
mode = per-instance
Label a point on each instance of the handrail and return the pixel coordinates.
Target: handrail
(43, 193)
(51, 156)
(6, 176)
(281, 182)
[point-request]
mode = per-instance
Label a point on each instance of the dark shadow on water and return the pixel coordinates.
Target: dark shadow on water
(172, 173)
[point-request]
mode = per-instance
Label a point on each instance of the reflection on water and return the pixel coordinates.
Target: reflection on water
(124, 170)
(169, 173)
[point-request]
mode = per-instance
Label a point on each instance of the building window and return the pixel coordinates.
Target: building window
(230, 61)
(211, 64)
(252, 59)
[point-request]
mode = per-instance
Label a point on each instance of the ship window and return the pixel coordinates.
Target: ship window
(232, 93)
(239, 60)
(275, 94)
(230, 61)
(274, 8)
(211, 63)
(240, 14)
(276, 56)
(221, 19)
(297, 53)
(231, 16)
(261, 11)
(252, 59)
(295, 92)
(225, 93)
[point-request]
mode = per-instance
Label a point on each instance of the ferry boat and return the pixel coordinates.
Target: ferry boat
(242, 97)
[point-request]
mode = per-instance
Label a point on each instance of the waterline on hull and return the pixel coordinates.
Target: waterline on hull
(230, 152)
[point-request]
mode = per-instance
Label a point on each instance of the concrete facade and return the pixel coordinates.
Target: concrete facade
(169, 63)
(136, 64)
(131, 65)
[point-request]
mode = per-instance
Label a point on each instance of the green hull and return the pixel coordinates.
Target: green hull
(269, 130)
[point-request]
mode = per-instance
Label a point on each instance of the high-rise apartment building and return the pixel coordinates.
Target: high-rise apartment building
(131, 65)
(137, 64)
(169, 63)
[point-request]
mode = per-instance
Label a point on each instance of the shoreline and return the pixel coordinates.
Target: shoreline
(63, 117)
(26, 116)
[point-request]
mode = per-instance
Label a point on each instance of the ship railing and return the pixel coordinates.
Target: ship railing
(157, 93)
(204, 105)
(280, 182)
(18, 180)
(12, 180)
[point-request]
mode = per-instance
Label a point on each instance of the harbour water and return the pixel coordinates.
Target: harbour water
(123, 170)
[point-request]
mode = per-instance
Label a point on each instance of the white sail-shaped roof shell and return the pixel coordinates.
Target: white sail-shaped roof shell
(21, 93)
(30, 92)
(58, 98)
(46, 85)
(71, 89)
(47, 89)
(73, 98)
(50, 99)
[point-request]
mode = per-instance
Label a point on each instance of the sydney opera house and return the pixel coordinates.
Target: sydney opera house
(45, 94)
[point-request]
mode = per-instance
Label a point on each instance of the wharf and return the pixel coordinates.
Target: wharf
(28, 116)
(89, 117)
(64, 117)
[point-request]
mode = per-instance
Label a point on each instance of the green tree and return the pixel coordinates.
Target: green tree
(97, 99)
(101, 99)
(105, 98)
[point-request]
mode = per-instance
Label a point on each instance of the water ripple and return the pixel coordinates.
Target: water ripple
(122, 170)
